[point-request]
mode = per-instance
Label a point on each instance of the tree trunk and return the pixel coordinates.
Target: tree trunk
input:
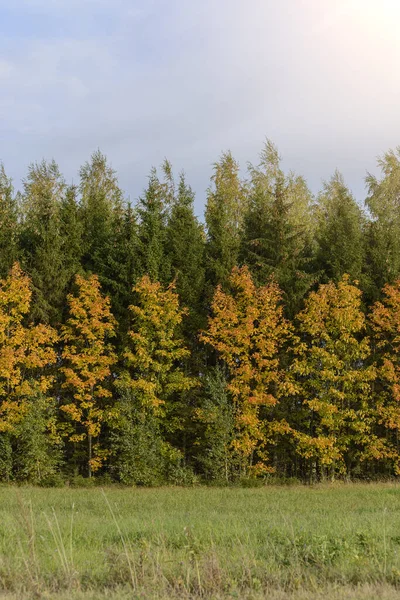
(90, 455)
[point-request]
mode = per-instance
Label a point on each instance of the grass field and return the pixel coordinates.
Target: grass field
(323, 542)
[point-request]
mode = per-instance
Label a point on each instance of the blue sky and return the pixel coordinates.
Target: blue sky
(148, 79)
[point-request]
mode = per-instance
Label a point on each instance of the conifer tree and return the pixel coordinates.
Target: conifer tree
(185, 252)
(226, 202)
(383, 231)
(339, 232)
(87, 360)
(277, 235)
(125, 267)
(9, 250)
(102, 209)
(41, 240)
(71, 224)
(152, 212)
(214, 418)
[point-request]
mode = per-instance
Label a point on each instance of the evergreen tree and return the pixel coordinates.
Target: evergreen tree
(37, 454)
(9, 225)
(102, 209)
(215, 428)
(41, 240)
(278, 229)
(125, 268)
(71, 228)
(226, 202)
(152, 213)
(185, 253)
(383, 232)
(339, 232)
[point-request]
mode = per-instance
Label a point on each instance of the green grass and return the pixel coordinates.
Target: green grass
(323, 542)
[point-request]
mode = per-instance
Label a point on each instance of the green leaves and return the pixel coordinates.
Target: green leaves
(226, 202)
(339, 232)
(277, 229)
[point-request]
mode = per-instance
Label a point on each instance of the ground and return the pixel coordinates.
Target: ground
(328, 542)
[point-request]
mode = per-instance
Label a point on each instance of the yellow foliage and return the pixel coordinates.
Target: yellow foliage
(155, 352)
(385, 321)
(247, 329)
(87, 360)
(334, 377)
(25, 351)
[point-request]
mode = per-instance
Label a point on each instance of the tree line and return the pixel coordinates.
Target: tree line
(139, 345)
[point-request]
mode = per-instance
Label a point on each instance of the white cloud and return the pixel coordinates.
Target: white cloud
(147, 79)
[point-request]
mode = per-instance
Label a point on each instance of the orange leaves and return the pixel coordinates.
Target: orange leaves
(24, 351)
(88, 359)
(247, 330)
(385, 317)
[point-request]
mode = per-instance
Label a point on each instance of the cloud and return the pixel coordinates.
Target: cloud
(148, 79)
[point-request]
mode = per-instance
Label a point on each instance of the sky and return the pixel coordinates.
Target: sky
(147, 79)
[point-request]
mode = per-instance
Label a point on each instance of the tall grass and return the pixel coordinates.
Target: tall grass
(339, 541)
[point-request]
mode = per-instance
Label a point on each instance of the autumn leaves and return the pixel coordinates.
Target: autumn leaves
(328, 383)
(341, 399)
(26, 351)
(88, 357)
(248, 331)
(81, 359)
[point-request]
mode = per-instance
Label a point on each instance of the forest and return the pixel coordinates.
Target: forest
(142, 346)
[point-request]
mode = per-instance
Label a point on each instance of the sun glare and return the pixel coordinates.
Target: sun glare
(381, 13)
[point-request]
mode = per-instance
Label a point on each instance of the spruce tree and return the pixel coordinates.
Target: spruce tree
(152, 212)
(124, 263)
(277, 228)
(185, 240)
(226, 202)
(71, 233)
(41, 240)
(339, 232)
(382, 263)
(9, 250)
(102, 206)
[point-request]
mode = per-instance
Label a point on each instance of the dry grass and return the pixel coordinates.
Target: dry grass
(298, 543)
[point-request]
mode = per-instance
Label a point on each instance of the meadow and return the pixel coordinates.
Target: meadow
(326, 541)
